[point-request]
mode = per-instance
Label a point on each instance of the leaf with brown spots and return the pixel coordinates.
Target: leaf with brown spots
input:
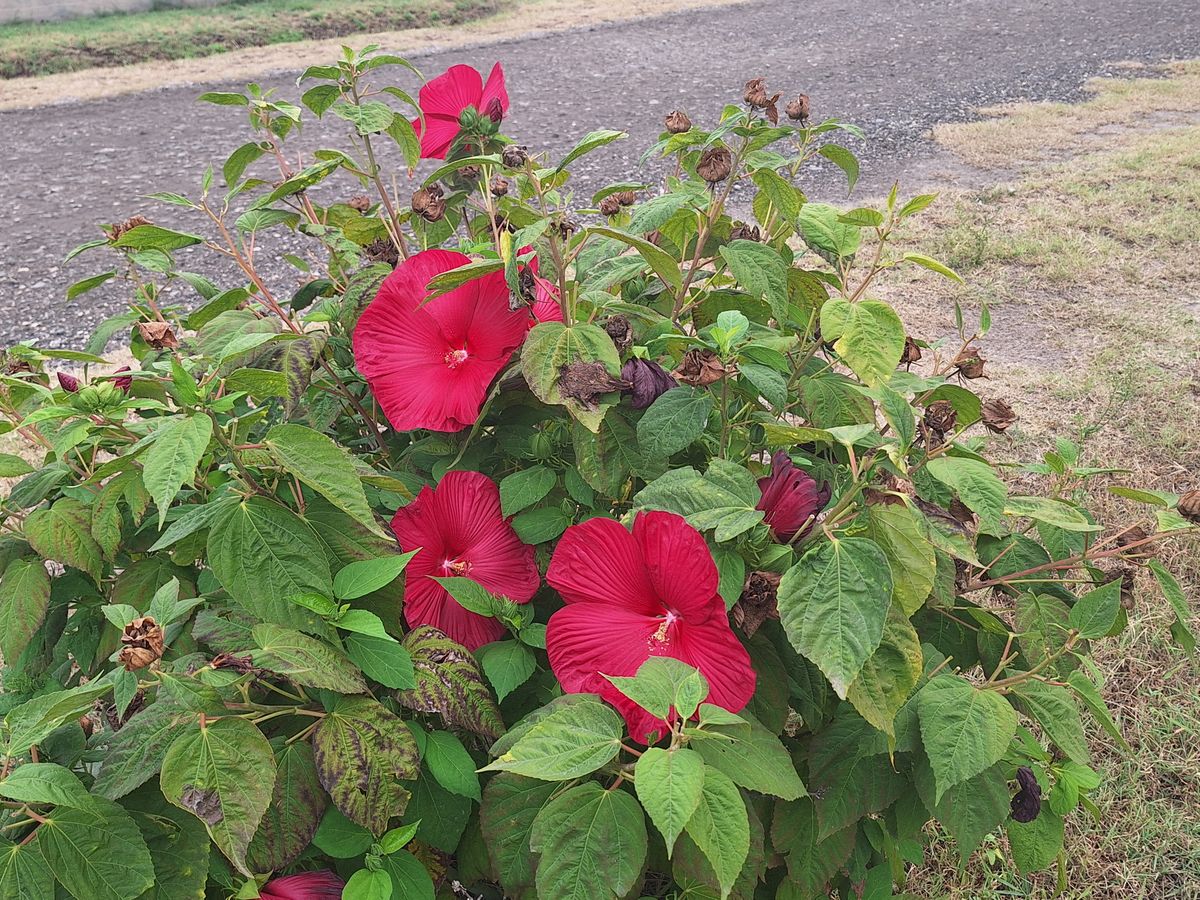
(449, 683)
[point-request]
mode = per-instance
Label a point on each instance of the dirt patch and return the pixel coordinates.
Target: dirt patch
(519, 19)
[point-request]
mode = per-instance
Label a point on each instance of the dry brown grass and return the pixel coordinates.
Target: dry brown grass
(1087, 260)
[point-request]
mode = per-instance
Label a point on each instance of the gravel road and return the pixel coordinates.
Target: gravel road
(894, 68)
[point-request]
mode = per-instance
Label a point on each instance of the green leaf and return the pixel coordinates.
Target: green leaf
(592, 843)
(890, 674)
(970, 811)
(757, 761)
(662, 684)
(451, 764)
(825, 235)
(674, 421)
(297, 804)
(537, 526)
(1180, 630)
(1042, 623)
(589, 142)
(24, 874)
(340, 838)
(669, 785)
(569, 743)
(610, 457)
(725, 498)
(720, 827)
(1095, 613)
(1058, 513)
(1087, 691)
(45, 783)
(368, 884)
(525, 488)
(222, 772)
(410, 879)
(86, 284)
(32, 721)
(24, 599)
(361, 750)
(134, 754)
(262, 553)
(178, 846)
(844, 160)
(305, 660)
(867, 335)
(449, 683)
(443, 816)
(154, 237)
(13, 466)
(507, 665)
(382, 659)
(965, 729)
(511, 803)
(171, 460)
(928, 262)
(976, 485)
(811, 861)
(96, 851)
(660, 261)
(362, 577)
(761, 272)
(1053, 707)
(64, 533)
(833, 604)
(361, 621)
(1035, 845)
(897, 530)
(550, 347)
(324, 466)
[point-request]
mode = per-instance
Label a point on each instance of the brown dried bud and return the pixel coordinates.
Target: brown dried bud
(158, 335)
(468, 173)
(755, 93)
(969, 362)
(1127, 585)
(361, 202)
(115, 232)
(797, 110)
(586, 382)
(618, 328)
(997, 416)
(383, 250)
(626, 198)
(701, 367)
(610, 206)
(912, 352)
(142, 644)
(940, 416)
(759, 602)
(498, 186)
(715, 165)
(677, 122)
(1135, 536)
(655, 237)
(743, 232)
(1189, 505)
(566, 227)
(428, 203)
(514, 157)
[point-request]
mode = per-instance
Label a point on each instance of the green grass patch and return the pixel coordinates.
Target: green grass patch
(43, 48)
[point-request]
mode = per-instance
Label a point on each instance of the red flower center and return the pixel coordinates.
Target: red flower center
(456, 567)
(663, 634)
(455, 358)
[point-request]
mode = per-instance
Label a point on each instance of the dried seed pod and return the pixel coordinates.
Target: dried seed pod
(743, 232)
(677, 122)
(626, 198)
(1127, 586)
(797, 110)
(715, 165)
(618, 328)
(701, 367)
(498, 186)
(1135, 536)
(997, 416)
(969, 362)
(940, 417)
(758, 603)
(755, 93)
(912, 352)
(117, 231)
(514, 157)
(158, 335)
(1189, 505)
(361, 202)
(429, 204)
(610, 206)
(142, 644)
(383, 250)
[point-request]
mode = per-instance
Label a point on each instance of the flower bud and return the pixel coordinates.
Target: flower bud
(68, 383)
(158, 335)
(1189, 505)
(912, 352)
(125, 382)
(743, 232)
(626, 198)
(969, 362)
(618, 328)
(715, 165)
(701, 367)
(610, 206)
(586, 382)
(647, 381)
(514, 157)
(997, 416)
(361, 202)
(494, 111)
(798, 110)
(677, 122)
(498, 186)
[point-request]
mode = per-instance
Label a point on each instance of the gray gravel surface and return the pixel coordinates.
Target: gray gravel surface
(894, 68)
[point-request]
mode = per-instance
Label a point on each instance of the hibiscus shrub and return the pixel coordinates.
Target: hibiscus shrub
(697, 581)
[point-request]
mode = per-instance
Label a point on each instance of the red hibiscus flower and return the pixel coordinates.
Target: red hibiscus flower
(305, 886)
(429, 364)
(545, 306)
(791, 498)
(443, 100)
(460, 530)
(633, 596)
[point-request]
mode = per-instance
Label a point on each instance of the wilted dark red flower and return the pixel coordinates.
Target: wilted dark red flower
(791, 498)
(633, 596)
(68, 382)
(677, 122)
(459, 530)
(443, 100)
(648, 381)
(429, 364)
(1028, 802)
(303, 886)
(618, 328)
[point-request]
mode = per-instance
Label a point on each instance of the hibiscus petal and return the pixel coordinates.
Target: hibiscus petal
(476, 317)
(598, 561)
(495, 89)
(451, 92)
(428, 603)
(714, 649)
(437, 134)
(546, 307)
(679, 564)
